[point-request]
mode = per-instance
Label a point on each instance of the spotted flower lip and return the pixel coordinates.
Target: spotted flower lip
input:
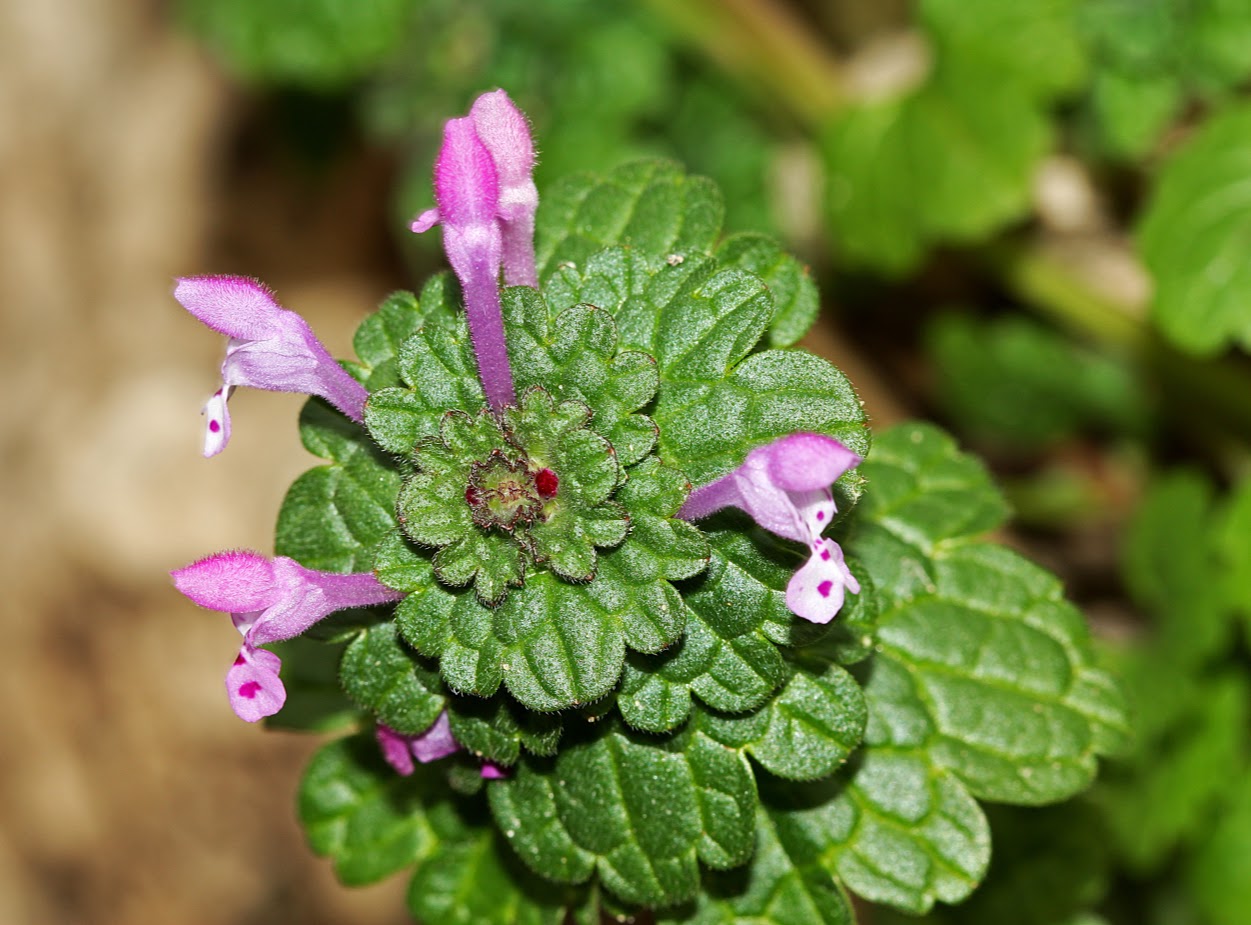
(270, 348)
(270, 600)
(785, 487)
(437, 742)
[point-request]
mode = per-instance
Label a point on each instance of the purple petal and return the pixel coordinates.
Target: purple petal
(239, 581)
(395, 749)
(425, 221)
(493, 771)
(231, 305)
(309, 596)
(816, 591)
(253, 685)
(466, 185)
(436, 742)
(216, 422)
(270, 348)
(806, 461)
(504, 131)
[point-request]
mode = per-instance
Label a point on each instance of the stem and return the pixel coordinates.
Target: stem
(486, 330)
(765, 45)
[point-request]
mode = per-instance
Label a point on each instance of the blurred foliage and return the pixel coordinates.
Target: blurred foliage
(1016, 381)
(920, 184)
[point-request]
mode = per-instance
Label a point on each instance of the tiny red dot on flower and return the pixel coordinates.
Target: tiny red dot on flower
(240, 660)
(249, 690)
(825, 588)
(214, 426)
(820, 515)
(825, 554)
(546, 481)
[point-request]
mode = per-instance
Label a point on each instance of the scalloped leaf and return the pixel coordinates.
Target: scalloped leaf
(576, 354)
(785, 885)
(596, 809)
(498, 728)
(697, 320)
(476, 881)
(795, 298)
(806, 731)
(333, 516)
(356, 810)
(649, 205)
(384, 676)
(381, 335)
(438, 370)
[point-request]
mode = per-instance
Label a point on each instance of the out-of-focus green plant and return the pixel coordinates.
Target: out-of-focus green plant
(1106, 312)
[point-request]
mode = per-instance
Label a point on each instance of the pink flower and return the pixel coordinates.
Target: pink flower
(486, 198)
(435, 743)
(270, 348)
(785, 487)
(270, 600)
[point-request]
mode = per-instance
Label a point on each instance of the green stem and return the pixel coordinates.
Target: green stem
(763, 44)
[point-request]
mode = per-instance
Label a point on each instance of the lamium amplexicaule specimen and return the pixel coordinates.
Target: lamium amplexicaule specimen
(503, 472)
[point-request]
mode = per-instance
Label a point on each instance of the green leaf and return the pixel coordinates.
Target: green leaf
(1193, 234)
(334, 516)
(894, 829)
(438, 367)
(649, 205)
(496, 729)
(1192, 740)
(597, 808)
(952, 162)
(725, 658)
(997, 673)
(805, 731)
(1017, 382)
(695, 319)
(380, 336)
(708, 428)
(477, 881)
(357, 811)
(1172, 569)
(1050, 865)
(1036, 46)
(383, 676)
(1219, 873)
(322, 46)
(575, 356)
(786, 884)
(795, 298)
(1152, 56)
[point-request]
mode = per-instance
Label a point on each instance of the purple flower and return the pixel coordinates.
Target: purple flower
(785, 487)
(270, 348)
(506, 133)
(435, 743)
(270, 600)
(486, 203)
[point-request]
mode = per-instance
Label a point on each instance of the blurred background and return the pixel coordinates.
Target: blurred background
(1029, 222)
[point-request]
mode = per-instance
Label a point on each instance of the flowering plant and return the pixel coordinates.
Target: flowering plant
(615, 590)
